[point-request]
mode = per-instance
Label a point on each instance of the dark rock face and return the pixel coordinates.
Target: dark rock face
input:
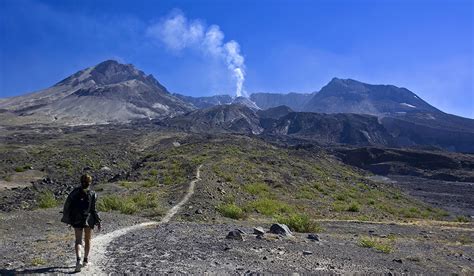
(429, 164)
(222, 118)
(296, 101)
(275, 112)
(333, 128)
(350, 96)
(206, 102)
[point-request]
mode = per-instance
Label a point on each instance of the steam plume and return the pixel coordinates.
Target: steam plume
(176, 32)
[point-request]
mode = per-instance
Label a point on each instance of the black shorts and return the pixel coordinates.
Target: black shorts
(82, 225)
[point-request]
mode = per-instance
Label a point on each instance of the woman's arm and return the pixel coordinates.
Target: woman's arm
(94, 212)
(67, 210)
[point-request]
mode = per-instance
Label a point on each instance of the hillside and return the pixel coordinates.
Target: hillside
(105, 93)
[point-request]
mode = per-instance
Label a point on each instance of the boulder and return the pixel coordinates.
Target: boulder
(235, 235)
(313, 237)
(258, 231)
(280, 229)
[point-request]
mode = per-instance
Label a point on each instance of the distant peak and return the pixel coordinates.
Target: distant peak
(344, 81)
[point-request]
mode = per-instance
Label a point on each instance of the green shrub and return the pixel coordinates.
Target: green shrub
(462, 219)
(384, 246)
(38, 262)
(300, 223)
(339, 206)
(127, 204)
(354, 207)
(257, 188)
(149, 183)
(22, 168)
(47, 200)
(269, 207)
(126, 184)
(231, 210)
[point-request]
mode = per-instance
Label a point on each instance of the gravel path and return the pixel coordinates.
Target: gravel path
(100, 243)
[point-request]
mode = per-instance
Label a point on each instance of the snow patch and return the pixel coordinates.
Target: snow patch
(408, 105)
(161, 106)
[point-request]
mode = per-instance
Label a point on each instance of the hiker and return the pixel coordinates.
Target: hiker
(80, 212)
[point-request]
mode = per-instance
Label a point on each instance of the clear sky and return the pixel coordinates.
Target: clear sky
(285, 46)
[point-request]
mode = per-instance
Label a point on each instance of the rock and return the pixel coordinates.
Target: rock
(258, 231)
(307, 252)
(199, 212)
(241, 231)
(280, 229)
(235, 235)
(105, 168)
(313, 237)
(259, 237)
(397, 260)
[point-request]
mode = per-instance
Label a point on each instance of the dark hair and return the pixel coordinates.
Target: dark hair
(86, 180)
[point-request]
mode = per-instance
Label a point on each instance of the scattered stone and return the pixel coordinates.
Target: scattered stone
(397, 260)
(259, 231)
(307, 252)
(280, 229)
(241, 231)
(235, 235)
(313, 237)
(199, 212)
(105, 168)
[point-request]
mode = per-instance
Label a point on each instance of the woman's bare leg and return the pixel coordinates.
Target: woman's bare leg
(77, 248)
(87, 236)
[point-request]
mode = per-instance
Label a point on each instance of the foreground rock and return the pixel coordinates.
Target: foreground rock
(280, 229)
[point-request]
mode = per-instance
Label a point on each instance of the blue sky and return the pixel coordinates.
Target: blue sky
(285, 46)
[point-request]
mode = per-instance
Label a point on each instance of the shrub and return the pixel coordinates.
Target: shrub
(462, 219)
(153, 172)
(127, 204)
(149, 183)
(47, 200)
(231, 210)
(300, 223)
(126, 184)
(269, 207)
(38, 262)
(354, 207)
(22, 168)
(384, 246)
(257, 188)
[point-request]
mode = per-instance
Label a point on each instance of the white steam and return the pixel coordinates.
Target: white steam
(177, 33)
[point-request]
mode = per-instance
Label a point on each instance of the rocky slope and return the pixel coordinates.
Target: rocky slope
(295, 101)
(351, 96)
(105, 93)
(205, 102)
(222, 118)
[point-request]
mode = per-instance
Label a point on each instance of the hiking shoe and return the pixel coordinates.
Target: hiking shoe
(85, 263)
(78, 266)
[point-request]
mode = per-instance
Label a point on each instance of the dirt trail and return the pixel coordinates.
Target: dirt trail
(100, 243)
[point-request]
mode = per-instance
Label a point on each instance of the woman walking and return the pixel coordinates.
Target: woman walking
(80, 212)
